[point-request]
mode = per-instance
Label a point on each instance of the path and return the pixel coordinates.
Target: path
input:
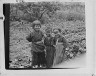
(79, 61)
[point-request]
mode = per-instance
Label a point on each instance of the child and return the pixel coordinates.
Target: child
(49, 42)
(61, 46)
(37, 49)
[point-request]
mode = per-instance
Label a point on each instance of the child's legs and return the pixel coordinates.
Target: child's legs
(38, 60)
(34, 58)
(50, 56)
(42, 60)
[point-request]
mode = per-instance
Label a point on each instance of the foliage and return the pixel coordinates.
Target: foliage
(70, 17)
(32, 11)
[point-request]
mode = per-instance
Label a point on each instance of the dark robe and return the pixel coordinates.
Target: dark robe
(50, 50)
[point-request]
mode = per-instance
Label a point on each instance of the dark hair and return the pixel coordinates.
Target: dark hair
(48, 29)
(58, 29)
(36, 22)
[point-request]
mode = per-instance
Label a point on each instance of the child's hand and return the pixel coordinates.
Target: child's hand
(45, 35)
(67, 48)
(55, 46)
(39, 42)
(59, 43)
(53, 35)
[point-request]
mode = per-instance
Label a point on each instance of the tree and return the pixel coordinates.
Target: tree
(33, 11)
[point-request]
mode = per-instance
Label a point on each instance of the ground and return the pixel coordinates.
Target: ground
(77, 62)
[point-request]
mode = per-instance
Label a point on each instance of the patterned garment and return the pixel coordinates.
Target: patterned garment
(61, 44)
(35, 37)
(59, 54)
(61, 39)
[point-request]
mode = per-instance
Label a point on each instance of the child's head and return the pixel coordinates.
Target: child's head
(36, 25)
(48, 31)
(57, 31)
(48, 34)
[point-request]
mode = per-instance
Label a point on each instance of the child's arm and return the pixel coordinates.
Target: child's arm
(29, 37)
(44, 36)
(65, 43)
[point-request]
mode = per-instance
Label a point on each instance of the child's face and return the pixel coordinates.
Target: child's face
(56, 32)
(48, 34)
(37, 27)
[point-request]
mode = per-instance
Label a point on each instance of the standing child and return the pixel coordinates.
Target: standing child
(37, 49)
(49, 42)
(61, 45)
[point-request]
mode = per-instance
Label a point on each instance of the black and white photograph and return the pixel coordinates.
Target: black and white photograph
(45, 35)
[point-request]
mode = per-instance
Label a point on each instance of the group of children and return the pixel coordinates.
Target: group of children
(44, 46)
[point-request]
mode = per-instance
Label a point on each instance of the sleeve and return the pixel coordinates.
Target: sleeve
(42, 34)
(29, 37)
(65, 43)
(54, 41)
(45, 39)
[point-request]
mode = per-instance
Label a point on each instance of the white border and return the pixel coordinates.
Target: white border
(88, 70)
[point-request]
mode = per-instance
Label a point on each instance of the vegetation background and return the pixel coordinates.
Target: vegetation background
(69, 16)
